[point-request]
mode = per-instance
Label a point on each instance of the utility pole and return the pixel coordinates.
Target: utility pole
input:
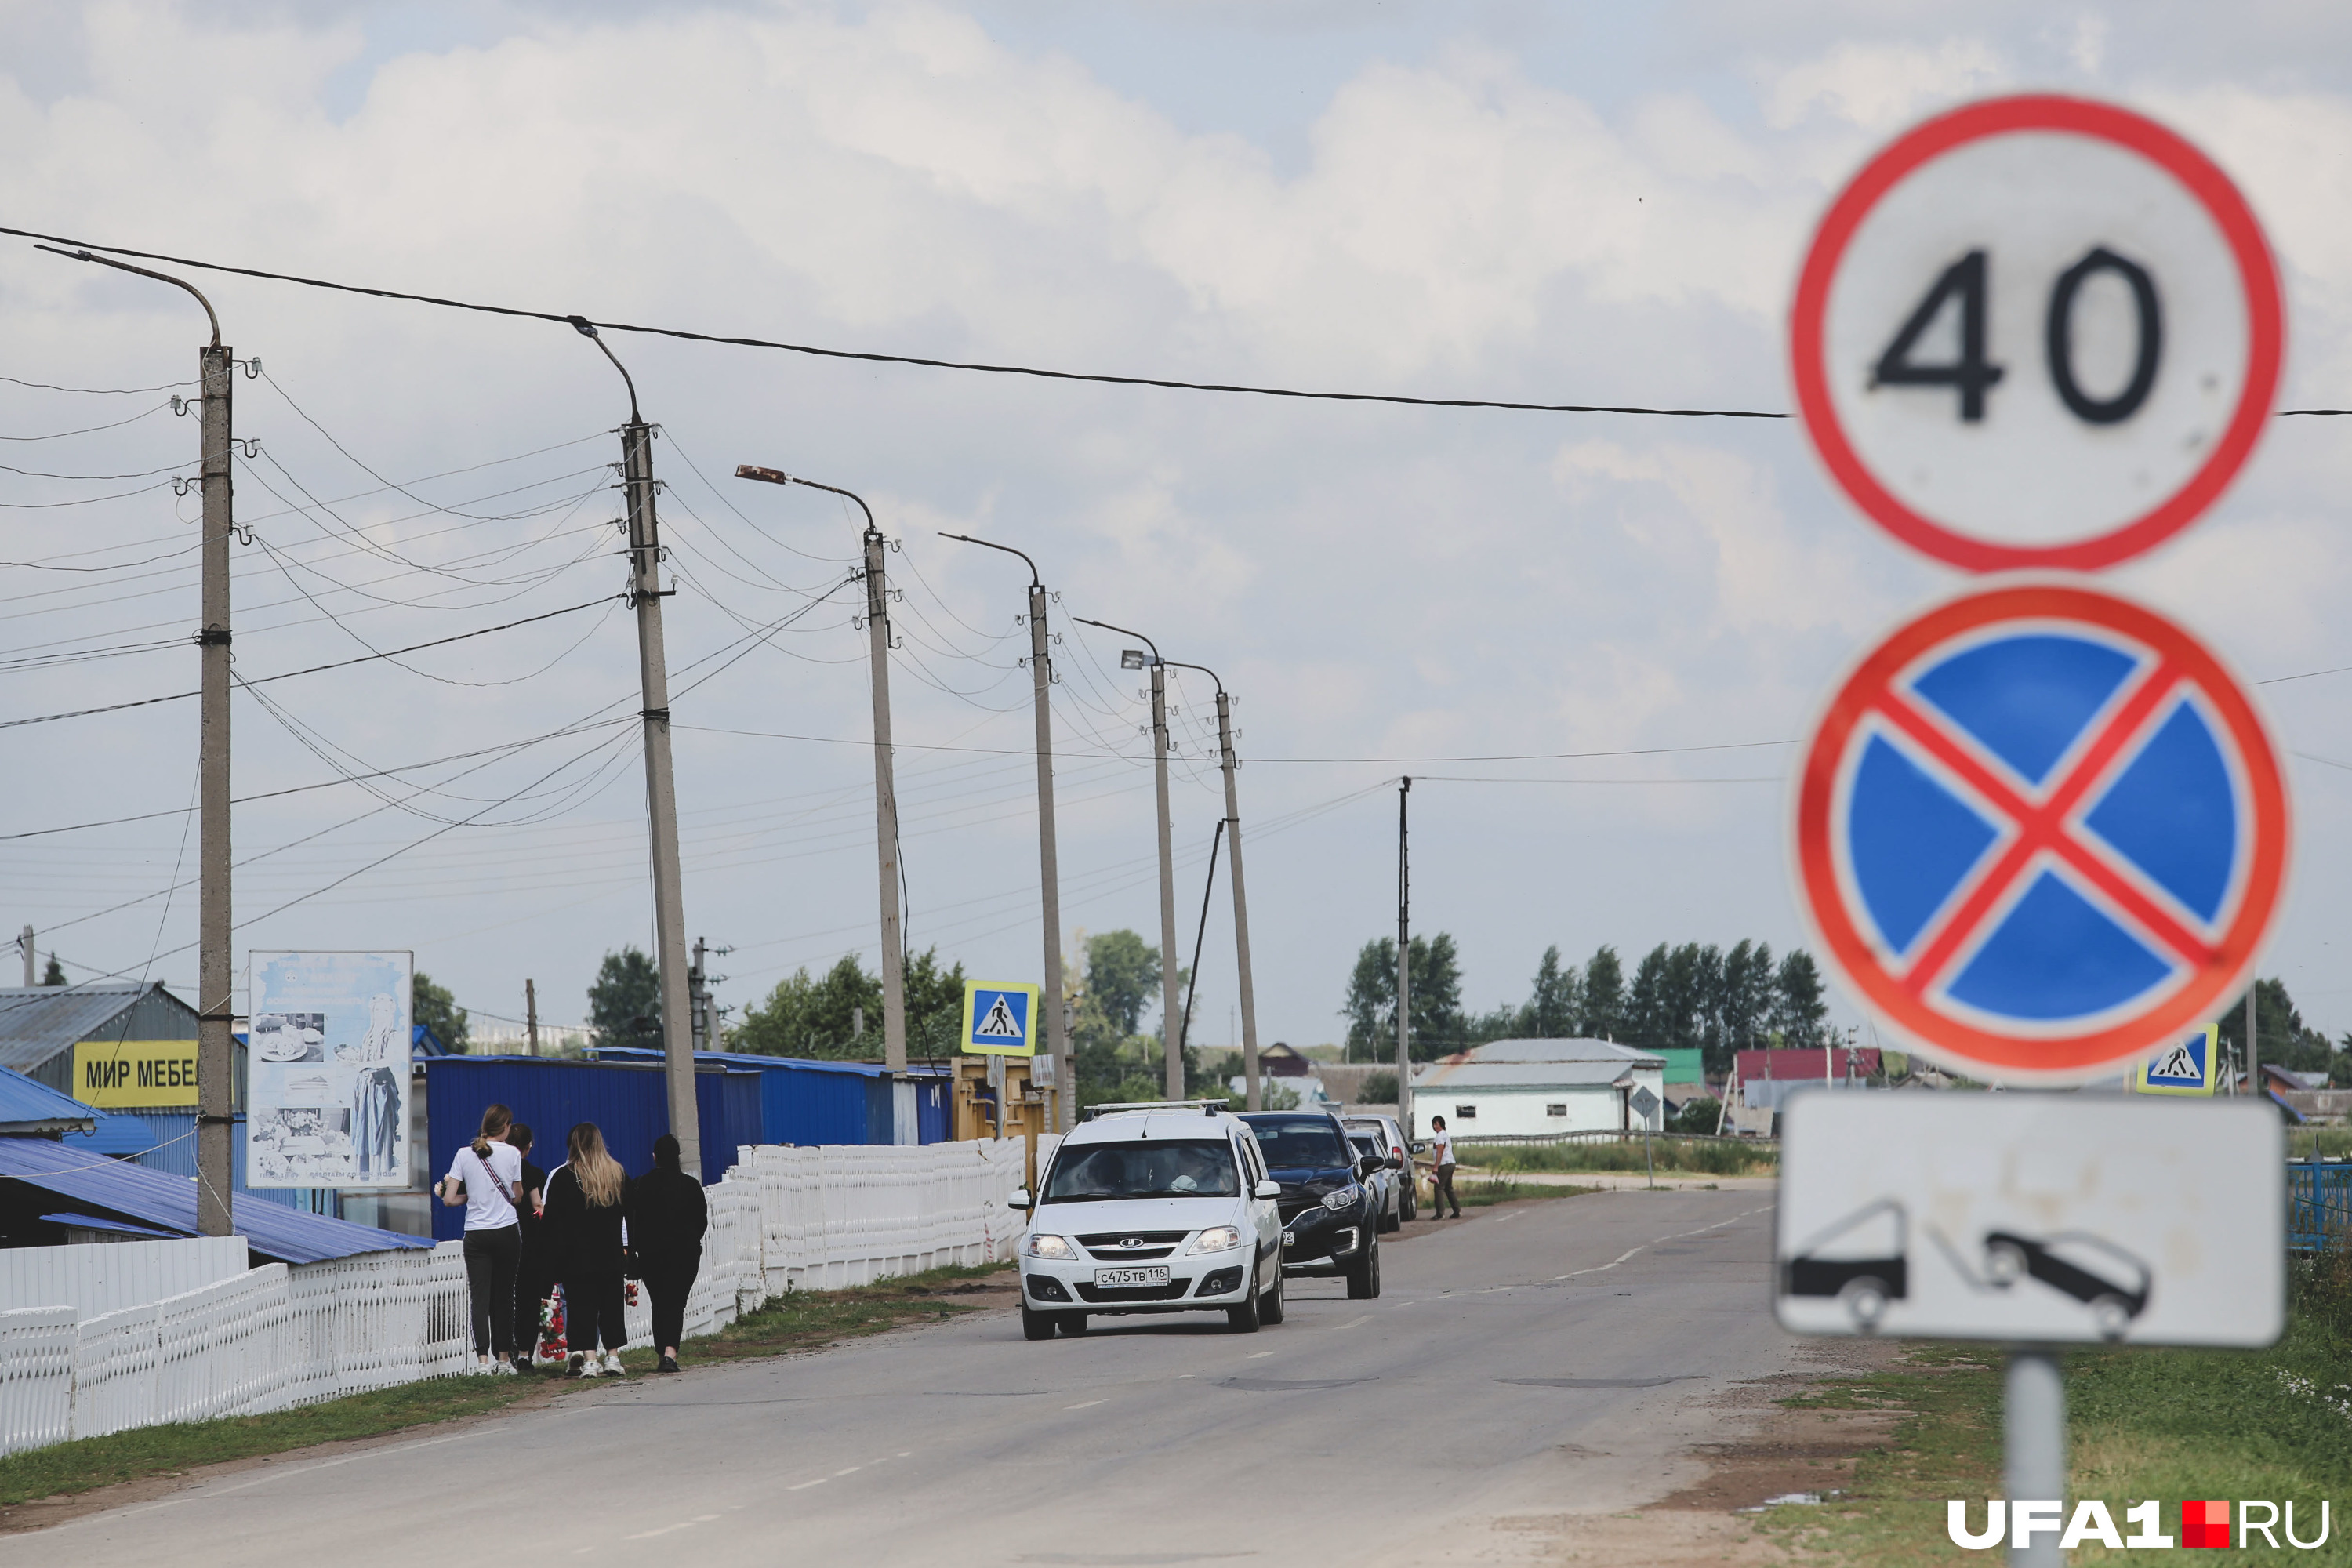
(1241, 893)
(661, 785)
(886, 805)
(1404, 964)
(2254, 1086)
(1049, 872)
(1131, 659)
(531, 1014)
(699, 990)
(24, 940)
(215, 1004)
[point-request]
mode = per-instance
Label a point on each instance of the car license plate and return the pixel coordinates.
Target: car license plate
(1121, 1278)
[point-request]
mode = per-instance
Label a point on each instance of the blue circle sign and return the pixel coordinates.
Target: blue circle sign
(2041, 832)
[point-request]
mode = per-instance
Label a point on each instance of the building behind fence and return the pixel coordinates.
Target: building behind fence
(781, 1220)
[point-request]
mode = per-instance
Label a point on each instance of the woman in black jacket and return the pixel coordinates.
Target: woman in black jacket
(584, 1228)
(667, 1218)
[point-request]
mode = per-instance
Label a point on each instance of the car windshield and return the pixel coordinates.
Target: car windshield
(1156, 1170)
(1301, 1143)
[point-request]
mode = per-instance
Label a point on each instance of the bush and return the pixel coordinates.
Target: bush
(1710, 1158)
(1699, 1115)
(1378, 1088)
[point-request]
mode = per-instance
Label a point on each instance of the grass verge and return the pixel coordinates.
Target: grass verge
(801, 1321)
(1705, 1158)
(2163, 1423)
(2327, 1142)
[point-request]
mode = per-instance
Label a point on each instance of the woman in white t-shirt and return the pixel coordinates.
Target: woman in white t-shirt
(485, 1176)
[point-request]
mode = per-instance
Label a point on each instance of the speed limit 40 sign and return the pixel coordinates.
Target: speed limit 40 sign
(2037, 332)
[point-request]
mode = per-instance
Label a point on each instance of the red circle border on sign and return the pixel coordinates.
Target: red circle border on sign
(2265, 347)
(2068, 1057)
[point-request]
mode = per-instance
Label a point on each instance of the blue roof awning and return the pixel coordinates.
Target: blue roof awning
(169, 1203)
(95, 1222)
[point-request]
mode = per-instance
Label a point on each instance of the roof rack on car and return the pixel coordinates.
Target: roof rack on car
(1206, 1107)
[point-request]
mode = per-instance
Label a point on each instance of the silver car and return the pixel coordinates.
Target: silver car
(1380, 1137)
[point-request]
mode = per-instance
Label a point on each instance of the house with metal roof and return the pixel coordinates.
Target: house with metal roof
(1534, 1088)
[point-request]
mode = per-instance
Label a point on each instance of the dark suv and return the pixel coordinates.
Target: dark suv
(1330, 1219)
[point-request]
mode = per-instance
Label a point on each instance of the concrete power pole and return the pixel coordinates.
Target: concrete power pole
(531, 1014)
(886, 804)
(215, 1004)
(1241, 892)
(1170, 1013)
(698, 983)
(661, 785)
(2254, 1085)
(1404, 964)
(24, 940)
(1049, 872)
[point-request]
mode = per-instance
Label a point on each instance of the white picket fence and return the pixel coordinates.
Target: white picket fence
(275, 1337)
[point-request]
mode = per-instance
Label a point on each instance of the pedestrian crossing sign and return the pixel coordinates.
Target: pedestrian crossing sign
(2185, 1067)
(1000, 1020)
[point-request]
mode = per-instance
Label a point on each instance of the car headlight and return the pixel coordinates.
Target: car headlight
(1042, 1246)
(1345, 1198)
(1216, 1239)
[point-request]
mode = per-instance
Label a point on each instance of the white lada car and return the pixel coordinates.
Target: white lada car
(1153, 1209)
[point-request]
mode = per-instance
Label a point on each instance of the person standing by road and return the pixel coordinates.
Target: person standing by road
(484, 1176)
(1441, 1169)
(667, 1217)
(583, 1222)
(535, 1273)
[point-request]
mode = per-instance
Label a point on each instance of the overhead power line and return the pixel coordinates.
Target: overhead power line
(313, 669)
(870, 357)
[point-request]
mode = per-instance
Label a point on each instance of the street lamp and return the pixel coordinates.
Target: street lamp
(1049, 878)
(1241, 896)
(1132, 658)
(886, 801)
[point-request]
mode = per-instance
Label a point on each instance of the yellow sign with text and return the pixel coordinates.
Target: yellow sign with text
(135, 1072)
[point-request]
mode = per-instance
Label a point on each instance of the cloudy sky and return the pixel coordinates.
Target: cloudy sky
(1592, 636)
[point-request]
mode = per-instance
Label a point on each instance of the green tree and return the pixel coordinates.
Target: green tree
(55, 974)
(1645, 1018)
(1555, 1003)
(433, 1006)
(1746, 1007)
(1438, 1025)
(1798, 1010)
(1122, 978)
(838, 1016)
(2280, 1036)
(1604, 996)
(624, 1002)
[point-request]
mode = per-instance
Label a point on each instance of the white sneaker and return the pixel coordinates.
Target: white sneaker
(613, 1365)
(588, 1367)
(505, 1368)
(478, 1367)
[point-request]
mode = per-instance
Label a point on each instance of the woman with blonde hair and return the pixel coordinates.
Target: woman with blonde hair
(483, 1175)
(584, 1219)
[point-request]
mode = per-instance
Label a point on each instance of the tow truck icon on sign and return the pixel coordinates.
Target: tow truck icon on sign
(1863, 1261)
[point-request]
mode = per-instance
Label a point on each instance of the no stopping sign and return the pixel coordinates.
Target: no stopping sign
(2041, 831)
(2037, 332)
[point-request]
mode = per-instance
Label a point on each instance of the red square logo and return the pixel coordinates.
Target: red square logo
(2205, 1524)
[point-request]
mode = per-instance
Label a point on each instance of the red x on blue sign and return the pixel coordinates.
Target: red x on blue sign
(2041, 831)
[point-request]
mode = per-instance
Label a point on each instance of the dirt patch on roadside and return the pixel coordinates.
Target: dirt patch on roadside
(1779, 1452)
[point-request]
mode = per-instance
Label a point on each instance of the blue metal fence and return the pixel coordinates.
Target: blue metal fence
(628, 1101)
(2318, 1204)
(807, 1102)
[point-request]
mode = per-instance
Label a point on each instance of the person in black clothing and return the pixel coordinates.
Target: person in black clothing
(535, 1275)
(584, 1219)
(667, 1217)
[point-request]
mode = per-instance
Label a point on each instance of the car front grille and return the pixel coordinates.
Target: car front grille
(1106, 1296)
(1110, 1246)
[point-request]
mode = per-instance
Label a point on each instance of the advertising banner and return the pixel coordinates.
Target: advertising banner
(327, 1094)
(148, 1074)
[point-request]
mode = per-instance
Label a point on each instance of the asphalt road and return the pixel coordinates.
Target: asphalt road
(1551, 1357)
